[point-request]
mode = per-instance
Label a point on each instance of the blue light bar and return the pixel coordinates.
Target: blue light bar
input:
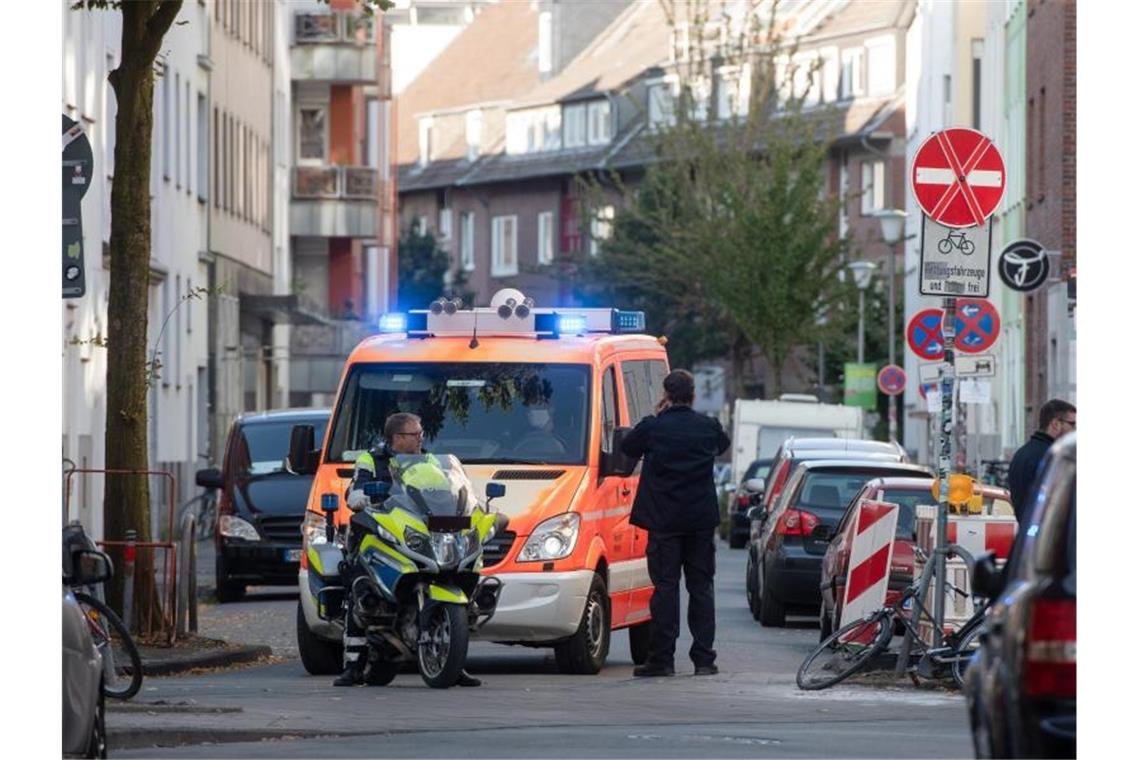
(394, 323)
(628, 321)
(571, 324)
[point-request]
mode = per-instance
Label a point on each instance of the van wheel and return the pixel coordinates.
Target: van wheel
(772, 613)
(97, 745)
(320, 657)
(639, 643)
(226, 590)
(585, 652)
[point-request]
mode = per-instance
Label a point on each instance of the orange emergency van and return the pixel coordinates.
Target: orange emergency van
(536, 399)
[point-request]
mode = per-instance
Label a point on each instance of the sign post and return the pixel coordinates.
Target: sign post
(958, 178)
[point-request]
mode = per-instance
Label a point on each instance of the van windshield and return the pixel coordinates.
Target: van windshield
(510, 413)
(261, 447)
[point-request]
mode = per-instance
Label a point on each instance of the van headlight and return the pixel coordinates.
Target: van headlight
(552, 539)
(233, 526)
(313, 529)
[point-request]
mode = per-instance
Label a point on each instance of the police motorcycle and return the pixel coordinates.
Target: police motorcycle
(417, 553)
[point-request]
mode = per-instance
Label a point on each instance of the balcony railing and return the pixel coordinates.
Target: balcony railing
(336, 182)
(333, 27)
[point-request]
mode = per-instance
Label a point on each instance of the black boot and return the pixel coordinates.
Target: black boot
(466, 679)
(352, 676)
(653, 670)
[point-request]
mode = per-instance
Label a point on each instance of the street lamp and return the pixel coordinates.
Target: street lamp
(891, 221)
(861, 271)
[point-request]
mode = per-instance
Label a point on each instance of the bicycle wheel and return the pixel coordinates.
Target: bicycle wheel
(122, 666)
(964, 653)
(845, 651)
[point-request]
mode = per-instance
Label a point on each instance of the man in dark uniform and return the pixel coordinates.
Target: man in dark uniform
(676, 502)
(403, 434)
(1056, 418)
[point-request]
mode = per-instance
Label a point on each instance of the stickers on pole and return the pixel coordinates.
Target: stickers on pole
(1023, 266)
(954, 262)
(958, 177)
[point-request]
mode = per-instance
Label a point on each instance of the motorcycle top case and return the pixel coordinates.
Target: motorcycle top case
(325, 580)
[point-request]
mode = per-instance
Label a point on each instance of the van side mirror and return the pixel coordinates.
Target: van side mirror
(615, 462)
(209, 478)
(303, 456)
(496, 490)
(91, 567)
(985, 580)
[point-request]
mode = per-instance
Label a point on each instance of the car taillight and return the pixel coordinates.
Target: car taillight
(1051, 649)
(796, 522)
(742, 501)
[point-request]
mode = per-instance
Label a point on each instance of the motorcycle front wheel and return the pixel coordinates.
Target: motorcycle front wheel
(443, 648)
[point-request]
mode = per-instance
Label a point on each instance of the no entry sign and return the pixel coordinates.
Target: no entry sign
(892, 379)
(958, 177)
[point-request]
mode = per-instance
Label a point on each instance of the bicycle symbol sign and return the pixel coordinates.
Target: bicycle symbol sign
(954, 262)
(977, 325)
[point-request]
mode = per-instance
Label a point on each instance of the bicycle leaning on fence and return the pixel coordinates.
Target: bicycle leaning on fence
(852, 647)
(122, 665)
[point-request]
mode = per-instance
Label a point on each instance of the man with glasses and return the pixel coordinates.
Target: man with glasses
(1057, 418)
(403, 434)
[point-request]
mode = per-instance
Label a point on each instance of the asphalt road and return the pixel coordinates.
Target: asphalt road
(527, 709)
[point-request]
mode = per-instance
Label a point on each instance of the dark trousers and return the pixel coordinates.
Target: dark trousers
(666, 554)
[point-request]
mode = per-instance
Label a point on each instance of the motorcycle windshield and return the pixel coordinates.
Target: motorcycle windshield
(431, 484)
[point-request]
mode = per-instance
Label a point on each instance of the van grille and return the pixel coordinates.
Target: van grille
(284, 530)
(528, 474)
(495, 550)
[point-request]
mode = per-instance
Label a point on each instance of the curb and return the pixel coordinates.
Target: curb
(141, 738)
(210, 659)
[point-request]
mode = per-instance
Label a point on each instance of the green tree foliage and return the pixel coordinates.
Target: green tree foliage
(729, 239)
(423, 268)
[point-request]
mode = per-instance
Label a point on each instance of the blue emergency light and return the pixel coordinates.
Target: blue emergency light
(394, 323)
(571, 324)
(329, 502)
(628, 321)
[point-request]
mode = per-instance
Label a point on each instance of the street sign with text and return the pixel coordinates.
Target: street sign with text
(965, 365)
(954, 262)
(958, 177)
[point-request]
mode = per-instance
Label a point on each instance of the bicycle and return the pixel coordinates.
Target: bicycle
(122, 665)
(849, 649)
(956, 240)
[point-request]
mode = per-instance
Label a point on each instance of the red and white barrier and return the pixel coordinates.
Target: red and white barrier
(869, 569)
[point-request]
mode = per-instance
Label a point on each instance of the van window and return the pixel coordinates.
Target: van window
(260, 448)
(642, 379)
(508, 413)
(609, 409)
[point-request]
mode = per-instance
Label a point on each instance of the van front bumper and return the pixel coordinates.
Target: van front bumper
(536, 607)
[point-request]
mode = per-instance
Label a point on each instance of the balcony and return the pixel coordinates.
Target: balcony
(338, 201)
(334, 47)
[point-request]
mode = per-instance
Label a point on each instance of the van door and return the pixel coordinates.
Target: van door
(615, 499)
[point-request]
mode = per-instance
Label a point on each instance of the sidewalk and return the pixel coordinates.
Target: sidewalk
(190, 652)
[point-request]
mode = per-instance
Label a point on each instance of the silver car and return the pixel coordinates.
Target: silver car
(84, 726)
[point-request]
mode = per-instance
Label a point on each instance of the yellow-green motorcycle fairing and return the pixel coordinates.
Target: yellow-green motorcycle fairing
(451, 594)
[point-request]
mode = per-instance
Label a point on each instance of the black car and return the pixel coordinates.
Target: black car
(261, 504)
(784, 558)
(1021, 689)
(742, 499)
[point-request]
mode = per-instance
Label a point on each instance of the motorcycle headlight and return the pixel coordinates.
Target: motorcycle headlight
(233, 526)
(313, 529)
(417, 542)
(448, 548)
(552, 539)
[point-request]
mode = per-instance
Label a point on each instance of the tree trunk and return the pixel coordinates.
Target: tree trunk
(126, 504)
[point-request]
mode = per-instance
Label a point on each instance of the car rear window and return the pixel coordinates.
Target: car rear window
(832, 490)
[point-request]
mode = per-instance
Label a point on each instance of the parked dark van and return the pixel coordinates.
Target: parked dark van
(261, 504)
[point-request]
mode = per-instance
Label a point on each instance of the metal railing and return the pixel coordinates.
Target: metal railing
(336, 182)
(333, 27)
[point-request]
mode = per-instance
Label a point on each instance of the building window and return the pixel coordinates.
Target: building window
(467, 241)
(165, 122)
(829, 74)
(844, 189)
(881, 65)
(474, 133)
(420, 225)
(177, 133)
(217, 158)
(203, 149)
(977, 47)
(546, 237)
(947, 100)
(312, 134)
(545, 42)
(425, 125)
(445, 224)
(662, 99)
(504, 246)
(598, 120)
(601, 228)
(574, 126)
(186, 150)
(534, 130)
(851, 76)
(733, 86)
(874, 180)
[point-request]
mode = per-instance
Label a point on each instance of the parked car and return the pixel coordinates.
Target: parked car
(908, 493)
(790, 540)
(261, 504)
(1021, 689)
(84, 723)
(795, 450)
(741, 499)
